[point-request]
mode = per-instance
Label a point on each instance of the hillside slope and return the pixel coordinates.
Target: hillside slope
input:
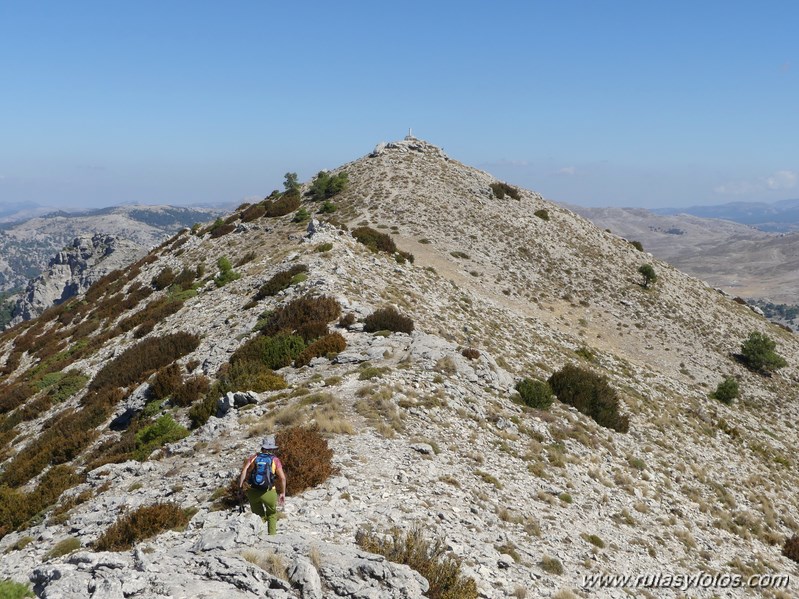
(530, 501)
(734, 257)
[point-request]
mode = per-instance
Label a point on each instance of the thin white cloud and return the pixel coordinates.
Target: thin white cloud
(508, 163)
(567, 170)
(778, 181)
(782, 180)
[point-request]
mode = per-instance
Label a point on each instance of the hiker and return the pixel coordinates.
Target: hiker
(260, 470)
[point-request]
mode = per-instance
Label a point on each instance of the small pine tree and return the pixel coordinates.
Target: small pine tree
(648, 272)
(758, 353)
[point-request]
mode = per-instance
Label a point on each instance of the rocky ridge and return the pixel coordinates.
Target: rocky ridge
(72, 271)
(694, 486)
(26, 247)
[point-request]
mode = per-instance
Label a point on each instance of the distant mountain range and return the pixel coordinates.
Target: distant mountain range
(778, 217)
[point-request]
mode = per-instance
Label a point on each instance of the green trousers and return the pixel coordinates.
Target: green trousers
(264, 503)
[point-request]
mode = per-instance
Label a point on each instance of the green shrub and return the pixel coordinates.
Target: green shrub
(141, 524)
(63, 547)
(162, 431)
(248, 375)
(648, 272)
(301, 311)
(329, 344)
(200, 412)
(591, 394)
(758, 353)
(14, 590)
(403, 257)
(325, 185)
(551, 565)
(72, 382)
(637, 245)
(307, 460)
(273, 352)
(226, 272)
(327, 207)
(301, 216)
(323, 247)
(279, 282)
(726, 391)
(374, 240)
(502, 189)
(542, 213)
(388, 319)
(791, 548)
(534, 393)
(429, 558)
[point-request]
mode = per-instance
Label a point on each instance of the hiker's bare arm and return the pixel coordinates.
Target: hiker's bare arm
(244, 469)
(282, 478)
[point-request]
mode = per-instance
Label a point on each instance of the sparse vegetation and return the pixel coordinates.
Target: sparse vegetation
(14, 590)
(226, 272)
(279, 282)
(300, 311)
(542, 213)
(470, 353)
(375, 240)
(140, 524)
(429, 558)
(502, 189)
(327, 345)
(591, 394)
(551, 565)
(535, 394)
(647, 271)
(791, 548)
(637, 245)
(726, 391)
(63, 547)
(307, 460)
(162, 431)
(325, 185)
(388, 319)
(758, 353)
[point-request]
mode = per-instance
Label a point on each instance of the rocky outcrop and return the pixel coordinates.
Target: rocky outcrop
(226, 555)
(73, 270)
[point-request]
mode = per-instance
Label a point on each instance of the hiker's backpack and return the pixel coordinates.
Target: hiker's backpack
(261, 476)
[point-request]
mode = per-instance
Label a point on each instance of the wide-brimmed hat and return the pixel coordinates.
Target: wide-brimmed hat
(269, 442)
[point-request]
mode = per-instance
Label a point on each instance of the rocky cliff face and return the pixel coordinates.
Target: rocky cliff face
(529, 501)
(26, 247)
(72, 271)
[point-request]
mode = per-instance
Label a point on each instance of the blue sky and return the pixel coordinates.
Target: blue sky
(593, 102)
